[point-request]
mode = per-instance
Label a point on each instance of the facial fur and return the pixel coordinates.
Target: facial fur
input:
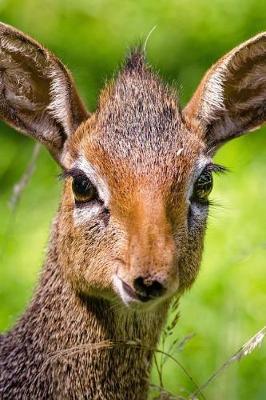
(142, 158)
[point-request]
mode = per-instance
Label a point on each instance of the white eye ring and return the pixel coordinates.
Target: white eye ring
(82, 215)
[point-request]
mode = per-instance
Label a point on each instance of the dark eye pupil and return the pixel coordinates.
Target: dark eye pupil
(83, 189)
(203, 186)
(81, 185)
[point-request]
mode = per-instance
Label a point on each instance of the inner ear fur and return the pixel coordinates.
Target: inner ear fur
(231, 98)
(37, 93)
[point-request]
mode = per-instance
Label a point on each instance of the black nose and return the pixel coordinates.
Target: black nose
(148, 288)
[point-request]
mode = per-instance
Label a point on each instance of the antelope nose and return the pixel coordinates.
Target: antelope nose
(148, 288)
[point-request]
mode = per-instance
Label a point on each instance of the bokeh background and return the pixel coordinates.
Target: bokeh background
(227, 304)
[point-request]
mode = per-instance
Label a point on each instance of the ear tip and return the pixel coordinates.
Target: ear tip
(6, 28)
(261, 36)
(10, 31)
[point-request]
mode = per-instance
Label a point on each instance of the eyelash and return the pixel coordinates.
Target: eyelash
(216, 168)
(71, 173)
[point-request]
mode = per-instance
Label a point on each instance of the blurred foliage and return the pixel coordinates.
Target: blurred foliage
(227, 303)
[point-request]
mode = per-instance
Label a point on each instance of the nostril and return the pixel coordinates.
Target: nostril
(148, 288)
(156, 289)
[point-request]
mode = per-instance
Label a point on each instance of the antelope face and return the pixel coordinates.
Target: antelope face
(136, 200)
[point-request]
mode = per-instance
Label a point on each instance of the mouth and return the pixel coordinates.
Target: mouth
(133, 294)
(128, 294)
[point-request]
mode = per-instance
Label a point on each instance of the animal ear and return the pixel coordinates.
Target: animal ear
(37, 93)
(231, 98)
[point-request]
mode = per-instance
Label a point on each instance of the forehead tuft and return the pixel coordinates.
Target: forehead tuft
(138, 125)
(138, 111)
(135, 61)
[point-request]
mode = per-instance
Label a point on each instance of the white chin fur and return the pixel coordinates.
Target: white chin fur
(118, 286)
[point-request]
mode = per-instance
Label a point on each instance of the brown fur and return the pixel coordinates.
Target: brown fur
(77, 339)
(57, 320)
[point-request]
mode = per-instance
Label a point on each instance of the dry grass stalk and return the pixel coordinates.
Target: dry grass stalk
(20, 186)
(246, 349)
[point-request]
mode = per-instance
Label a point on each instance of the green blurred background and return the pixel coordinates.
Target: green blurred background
(227, 304)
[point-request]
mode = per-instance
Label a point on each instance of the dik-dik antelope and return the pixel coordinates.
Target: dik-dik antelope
(128, 235)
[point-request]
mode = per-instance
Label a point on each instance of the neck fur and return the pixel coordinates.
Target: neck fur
(69, 347)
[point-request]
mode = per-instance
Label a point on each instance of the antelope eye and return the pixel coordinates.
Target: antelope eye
(203, 187)
(83, 189)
